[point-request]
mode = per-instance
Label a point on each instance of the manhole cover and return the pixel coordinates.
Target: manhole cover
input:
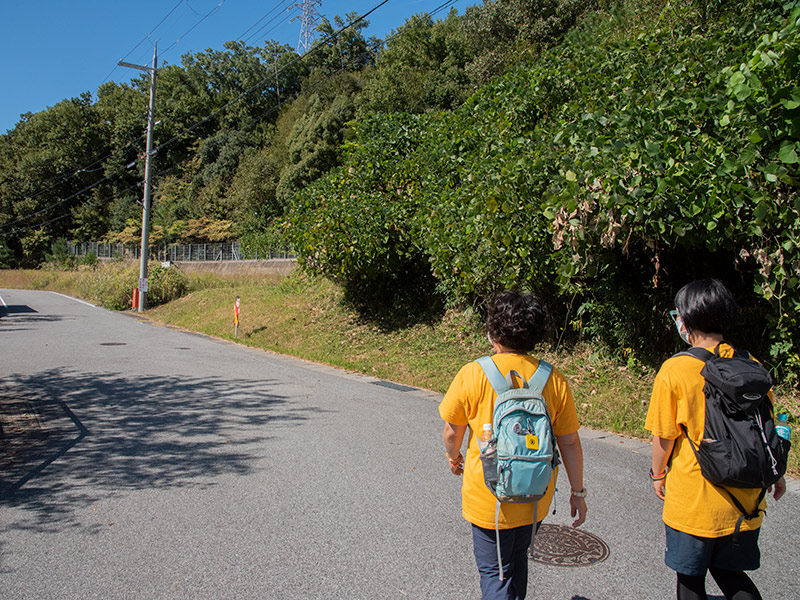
(564, 546)
(113, 344)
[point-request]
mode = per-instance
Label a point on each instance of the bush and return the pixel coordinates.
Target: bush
(87, 260)
(59, 256)
(112, 284)
(165, 284)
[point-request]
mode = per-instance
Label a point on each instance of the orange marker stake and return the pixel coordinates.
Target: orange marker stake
(236, 318)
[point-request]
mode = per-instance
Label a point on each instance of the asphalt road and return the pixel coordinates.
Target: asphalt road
(163, 464)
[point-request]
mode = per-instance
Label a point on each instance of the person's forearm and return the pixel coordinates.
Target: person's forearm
(662, 450)
(452, 436)
(572, 456)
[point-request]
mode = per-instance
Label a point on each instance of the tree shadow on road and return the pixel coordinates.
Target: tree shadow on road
(102, 433)
(24, 317)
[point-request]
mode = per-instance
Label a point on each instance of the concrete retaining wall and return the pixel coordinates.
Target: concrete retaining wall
(273, 266)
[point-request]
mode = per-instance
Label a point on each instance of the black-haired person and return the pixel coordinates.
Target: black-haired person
(516, 324)
(700, 519)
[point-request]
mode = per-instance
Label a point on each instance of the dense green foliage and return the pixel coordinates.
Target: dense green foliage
(654, 146)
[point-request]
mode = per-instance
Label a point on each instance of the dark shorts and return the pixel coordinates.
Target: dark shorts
(694, 555)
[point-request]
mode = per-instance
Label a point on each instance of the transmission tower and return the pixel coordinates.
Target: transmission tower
(308, 23)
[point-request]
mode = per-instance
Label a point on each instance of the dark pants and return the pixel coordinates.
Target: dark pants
(514, 545)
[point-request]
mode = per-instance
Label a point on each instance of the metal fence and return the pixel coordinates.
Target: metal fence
(176, 252)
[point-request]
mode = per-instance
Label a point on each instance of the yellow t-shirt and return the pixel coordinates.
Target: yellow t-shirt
(470, 401)
(692, 505)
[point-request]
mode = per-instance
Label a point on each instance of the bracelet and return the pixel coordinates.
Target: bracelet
(654, 477)
(455, 461)
(581, 494)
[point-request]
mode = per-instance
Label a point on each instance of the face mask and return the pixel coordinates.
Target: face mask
(682, 331)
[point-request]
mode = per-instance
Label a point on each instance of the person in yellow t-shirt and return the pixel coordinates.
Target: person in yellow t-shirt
(700, 518)
(516, 323)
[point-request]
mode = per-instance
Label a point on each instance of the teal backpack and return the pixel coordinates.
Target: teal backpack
(519, 460)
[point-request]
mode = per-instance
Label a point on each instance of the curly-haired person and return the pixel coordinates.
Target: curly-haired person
(516, 323)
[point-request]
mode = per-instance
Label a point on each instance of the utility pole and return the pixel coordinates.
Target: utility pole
(277, 83)
(147, 177)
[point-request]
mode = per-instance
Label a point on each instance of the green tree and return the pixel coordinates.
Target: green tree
(252, 193)
(359, 225)
(342, 48)
(502, 31)
(43, 182)
(422, 68)
(315, 139)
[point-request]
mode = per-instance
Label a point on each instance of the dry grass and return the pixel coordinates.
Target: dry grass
(305, 318)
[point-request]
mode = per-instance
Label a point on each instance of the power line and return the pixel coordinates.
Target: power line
(174, 8)
(161, 22)
(187, 32)
(268, 78)
(276, 7)
(201, 15)
(272, 20)
(331, 37)
(66, 176)
(441, 7)
(59, 203)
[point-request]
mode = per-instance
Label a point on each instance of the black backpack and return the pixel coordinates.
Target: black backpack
(740, 447)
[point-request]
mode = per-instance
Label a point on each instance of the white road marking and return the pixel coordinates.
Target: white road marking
(76, 299)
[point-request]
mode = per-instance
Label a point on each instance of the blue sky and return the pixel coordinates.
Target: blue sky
(54, 49)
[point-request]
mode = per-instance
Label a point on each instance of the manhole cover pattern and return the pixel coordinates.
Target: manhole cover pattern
(564, 546)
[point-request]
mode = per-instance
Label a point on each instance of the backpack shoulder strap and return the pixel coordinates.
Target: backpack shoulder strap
(696, 352)
(493, 374)
(540, 377)
(704, 355)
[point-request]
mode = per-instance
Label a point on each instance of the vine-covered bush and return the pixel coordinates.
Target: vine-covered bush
(655, 145)
(359, 225)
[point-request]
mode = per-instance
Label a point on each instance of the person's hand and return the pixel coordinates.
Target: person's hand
(577, 507)
(456, 465)
(779, 487)
(658, 487)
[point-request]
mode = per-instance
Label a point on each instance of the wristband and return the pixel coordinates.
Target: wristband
(455, 461)
(654, 477)
(580, 494)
